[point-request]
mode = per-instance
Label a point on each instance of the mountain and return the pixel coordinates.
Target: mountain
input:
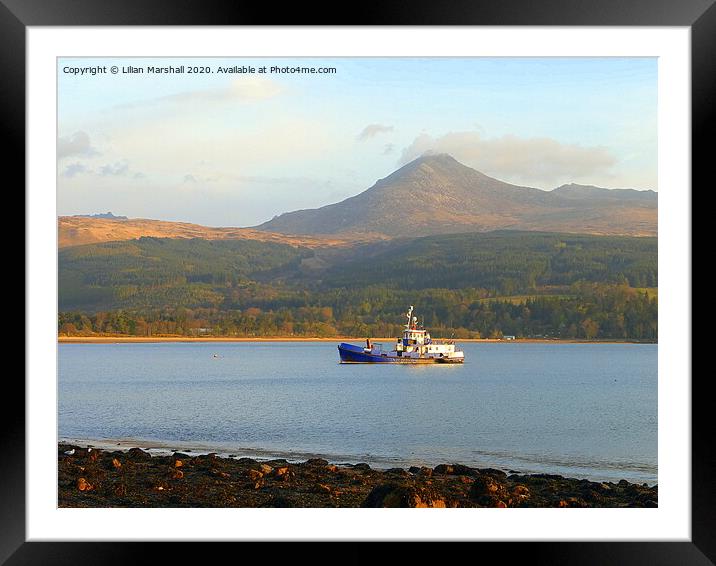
(592, 193)
(107, 215)
(435, 194)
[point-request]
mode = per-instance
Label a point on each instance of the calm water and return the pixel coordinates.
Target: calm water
(582, 410)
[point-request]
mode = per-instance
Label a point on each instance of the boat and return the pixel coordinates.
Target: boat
(414, 347)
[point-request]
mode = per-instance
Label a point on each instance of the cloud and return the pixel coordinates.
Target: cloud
(243, 89)
(388, 149)
(117, 169)
(114, 170)
(76, 144)
(74, 169)
(536, 161)
(372, 130)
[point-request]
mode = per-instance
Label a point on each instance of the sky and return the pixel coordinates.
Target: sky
(236, 149)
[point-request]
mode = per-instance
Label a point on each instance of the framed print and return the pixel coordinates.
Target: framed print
(289, 281)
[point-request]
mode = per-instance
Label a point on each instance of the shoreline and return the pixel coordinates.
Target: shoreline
(133, 477)
(158, 339)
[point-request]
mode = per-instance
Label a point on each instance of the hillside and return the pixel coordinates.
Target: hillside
(162, 272)
(485, 284)
(436, 194)
(82, 230)
(503, 262)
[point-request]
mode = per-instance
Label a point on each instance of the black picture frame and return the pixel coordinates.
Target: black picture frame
(698, 15)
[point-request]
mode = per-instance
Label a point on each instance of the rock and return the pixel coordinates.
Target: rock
(361, 466)
(484, 485)
(331, 468)
(116, 464)
(546, 476)
(521, 491)
(592, 496)
(138, 454)
(316, 462)
(392, 495)
(265, 469)
(498, 474)
(397, 472)
(486, 491)
(178, 463)
(177, 474)
(284, 473)
(460, 470)
(247, 461)
(279, 501)
(255, 475)
(414, 469)
(83, 484)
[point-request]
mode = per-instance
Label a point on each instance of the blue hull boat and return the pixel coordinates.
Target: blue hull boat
(357, 355)
(415, 347)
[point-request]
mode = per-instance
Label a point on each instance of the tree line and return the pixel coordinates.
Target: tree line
(596, 311)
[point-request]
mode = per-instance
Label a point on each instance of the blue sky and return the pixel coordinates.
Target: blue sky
(236, 149)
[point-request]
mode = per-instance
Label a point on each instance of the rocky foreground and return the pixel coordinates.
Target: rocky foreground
(99, 478)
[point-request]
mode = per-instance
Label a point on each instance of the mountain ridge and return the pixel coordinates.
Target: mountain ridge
(436, 194)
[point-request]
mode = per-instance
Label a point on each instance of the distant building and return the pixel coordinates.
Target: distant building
(507, 337)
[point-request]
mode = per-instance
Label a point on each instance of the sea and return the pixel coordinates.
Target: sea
(573, 409)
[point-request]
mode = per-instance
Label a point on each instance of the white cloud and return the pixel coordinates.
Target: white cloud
(243, 89)
(74, 169)
(76, 144)
(372, 130)
(541, 161)
(114, 169)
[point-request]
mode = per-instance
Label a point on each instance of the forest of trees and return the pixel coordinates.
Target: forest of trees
(596, 311)
(466, 286)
